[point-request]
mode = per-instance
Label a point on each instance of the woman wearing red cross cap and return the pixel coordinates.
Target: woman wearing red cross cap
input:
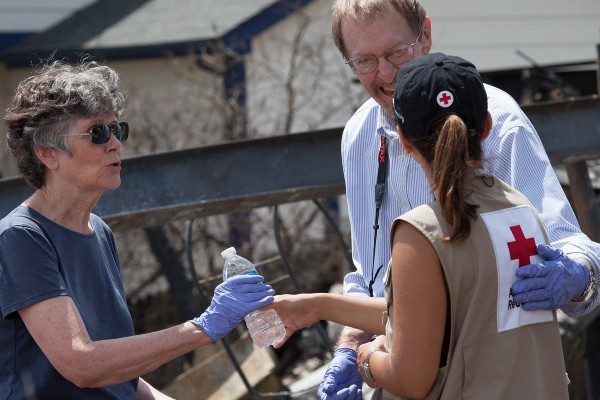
(452, 328)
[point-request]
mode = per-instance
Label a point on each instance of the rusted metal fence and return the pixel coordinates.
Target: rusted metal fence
(243, 175)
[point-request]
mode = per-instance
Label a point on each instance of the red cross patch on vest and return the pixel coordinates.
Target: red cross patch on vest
(514, 232)
(521, 248)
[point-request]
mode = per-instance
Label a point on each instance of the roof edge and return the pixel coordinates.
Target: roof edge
(238, 38)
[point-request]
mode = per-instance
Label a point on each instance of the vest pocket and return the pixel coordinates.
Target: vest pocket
(525, 363)
(483, 373)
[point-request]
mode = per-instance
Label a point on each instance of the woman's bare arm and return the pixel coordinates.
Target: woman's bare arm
(302, 310)
(56, 326)
(419, 300)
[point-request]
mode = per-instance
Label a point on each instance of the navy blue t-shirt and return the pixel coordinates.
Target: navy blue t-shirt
(40, 259)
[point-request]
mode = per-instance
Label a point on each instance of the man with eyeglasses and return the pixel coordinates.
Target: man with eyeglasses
(376, 37)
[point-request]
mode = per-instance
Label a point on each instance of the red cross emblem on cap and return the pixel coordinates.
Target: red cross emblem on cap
(445, 99)
(522, 248)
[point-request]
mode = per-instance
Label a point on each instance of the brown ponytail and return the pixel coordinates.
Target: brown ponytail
(451, 152)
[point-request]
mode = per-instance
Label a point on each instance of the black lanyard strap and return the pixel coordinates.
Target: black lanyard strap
(382, 160)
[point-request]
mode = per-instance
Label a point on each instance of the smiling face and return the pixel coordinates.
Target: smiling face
(376, 36)
(90, 167)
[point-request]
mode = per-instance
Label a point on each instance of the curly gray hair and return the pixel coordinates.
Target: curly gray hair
(45, 104)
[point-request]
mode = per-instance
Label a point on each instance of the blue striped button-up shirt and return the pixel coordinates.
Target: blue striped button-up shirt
(513, 152)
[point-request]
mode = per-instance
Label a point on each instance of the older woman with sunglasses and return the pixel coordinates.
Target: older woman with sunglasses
(65, 330)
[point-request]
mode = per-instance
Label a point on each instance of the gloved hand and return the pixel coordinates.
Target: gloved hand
(232, 301)
(552, 283)
(341, 380)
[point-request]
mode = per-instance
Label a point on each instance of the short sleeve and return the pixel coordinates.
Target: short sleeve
(29, 269)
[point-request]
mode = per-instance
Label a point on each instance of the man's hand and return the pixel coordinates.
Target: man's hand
(341, 380)
(552, 283)
(233, 300)
(364, 352)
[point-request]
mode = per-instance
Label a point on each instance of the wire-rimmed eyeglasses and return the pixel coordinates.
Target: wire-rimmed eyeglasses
(396, 56)
(100, 133)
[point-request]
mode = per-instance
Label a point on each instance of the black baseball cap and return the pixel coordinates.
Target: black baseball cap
(432, 86)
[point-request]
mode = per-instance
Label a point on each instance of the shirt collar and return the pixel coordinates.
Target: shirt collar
(386, 124)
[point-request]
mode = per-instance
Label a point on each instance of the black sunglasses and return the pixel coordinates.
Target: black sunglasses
(100, 133)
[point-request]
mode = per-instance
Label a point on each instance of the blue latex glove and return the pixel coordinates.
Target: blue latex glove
(341, 380)
(233, 300)
(552, 283)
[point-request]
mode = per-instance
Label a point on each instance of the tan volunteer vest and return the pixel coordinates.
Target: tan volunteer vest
(497, 350)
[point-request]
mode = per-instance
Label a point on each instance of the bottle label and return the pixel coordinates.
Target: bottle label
(251, 272)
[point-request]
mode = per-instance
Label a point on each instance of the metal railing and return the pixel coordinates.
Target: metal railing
(243, 175)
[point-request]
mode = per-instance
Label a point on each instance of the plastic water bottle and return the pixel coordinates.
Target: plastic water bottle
(265, 327)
